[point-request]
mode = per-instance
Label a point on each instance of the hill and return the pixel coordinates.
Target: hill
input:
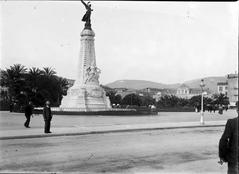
(139, 84)
(210, 82)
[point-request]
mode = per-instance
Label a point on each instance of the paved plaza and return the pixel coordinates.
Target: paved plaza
(165, 143)
(12, 123)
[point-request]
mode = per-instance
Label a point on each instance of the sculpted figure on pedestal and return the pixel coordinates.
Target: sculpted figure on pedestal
(92, 74)
(86, 17)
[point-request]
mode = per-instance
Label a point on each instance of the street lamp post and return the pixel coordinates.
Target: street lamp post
(202, 113)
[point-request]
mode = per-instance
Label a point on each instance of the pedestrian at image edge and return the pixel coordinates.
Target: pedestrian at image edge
(228, 145)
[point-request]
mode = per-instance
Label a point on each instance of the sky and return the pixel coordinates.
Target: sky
(166, 42)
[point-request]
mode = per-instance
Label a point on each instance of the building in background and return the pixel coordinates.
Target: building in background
(186, 92)
(222, 87)
(148, 91)
(232, 80)
(124, 91)
(156, 93)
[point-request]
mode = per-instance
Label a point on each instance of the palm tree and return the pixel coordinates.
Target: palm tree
(63, 84)
(14, 73)
(33, 76)
(62, 87)
(18, 70)
(221, 99)
(35, 71)
(13, 76)
(35, 84)
(32, 81)
(14, 79)
(48, 71)
(6, 76)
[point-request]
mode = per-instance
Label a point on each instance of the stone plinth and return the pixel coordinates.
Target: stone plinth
(86, 93)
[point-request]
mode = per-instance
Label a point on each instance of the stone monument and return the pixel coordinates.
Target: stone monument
(86, 93)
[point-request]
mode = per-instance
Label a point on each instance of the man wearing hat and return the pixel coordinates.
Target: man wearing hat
(228, 145)
(28, 113)
(47, 117)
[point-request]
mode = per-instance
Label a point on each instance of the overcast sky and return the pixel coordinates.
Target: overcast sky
(167, 42)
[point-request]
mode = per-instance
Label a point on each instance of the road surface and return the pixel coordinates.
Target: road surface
(160, 151)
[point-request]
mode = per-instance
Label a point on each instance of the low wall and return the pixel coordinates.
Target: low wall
(176, 109)
(112, 112)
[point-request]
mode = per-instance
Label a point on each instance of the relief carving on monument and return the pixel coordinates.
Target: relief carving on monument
(92, 75)
(95, 93)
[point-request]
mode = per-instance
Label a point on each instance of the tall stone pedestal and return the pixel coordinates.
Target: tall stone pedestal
(86, 93)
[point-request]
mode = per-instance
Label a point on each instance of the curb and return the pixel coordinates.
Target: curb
(105, 132)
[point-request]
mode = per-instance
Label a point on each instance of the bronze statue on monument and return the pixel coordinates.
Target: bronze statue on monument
(86, 17)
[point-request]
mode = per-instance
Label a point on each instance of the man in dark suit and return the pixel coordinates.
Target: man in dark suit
(28, 113)
(47, 115)
(228, 145)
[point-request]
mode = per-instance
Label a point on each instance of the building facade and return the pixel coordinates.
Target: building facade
(232, 80)
(186, 92)
(156, 93)
(222, 88)
(124, 91)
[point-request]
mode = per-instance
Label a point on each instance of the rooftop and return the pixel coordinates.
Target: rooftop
(222, 83)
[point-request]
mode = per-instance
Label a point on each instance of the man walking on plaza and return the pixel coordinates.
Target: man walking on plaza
(28, 113)
(228, 145)
(47, 117)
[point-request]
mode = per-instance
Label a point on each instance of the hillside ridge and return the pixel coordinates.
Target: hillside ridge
(210, 82)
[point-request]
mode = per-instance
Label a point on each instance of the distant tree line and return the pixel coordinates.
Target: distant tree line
(170, 101)
(33, 84)
(167, 101)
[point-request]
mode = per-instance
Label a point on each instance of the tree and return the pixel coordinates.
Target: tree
(36, 85)
(63, 85)
(147, 100)
(33, 77)
(132, 99)
(62, 88)
(182, 102)
(34, 74)
(221, 99)
(14, 79)
(18, 69)
(168, 101)
(195, 101)
(51, 87)
(49, 72)
(114, 99)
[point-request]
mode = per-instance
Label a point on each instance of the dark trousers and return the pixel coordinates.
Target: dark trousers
(28, 117)
(233, 168)
(47, 125)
